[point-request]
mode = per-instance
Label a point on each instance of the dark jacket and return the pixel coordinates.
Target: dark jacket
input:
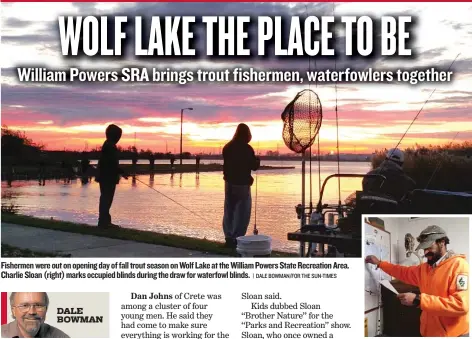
(396, 185)
(108, 169)
(239, 161)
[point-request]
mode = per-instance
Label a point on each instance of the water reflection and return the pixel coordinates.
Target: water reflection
(140, 207)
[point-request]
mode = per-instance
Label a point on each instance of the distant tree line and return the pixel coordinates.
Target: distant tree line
(19, 150)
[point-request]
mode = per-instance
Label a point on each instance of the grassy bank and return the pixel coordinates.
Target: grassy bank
(15, 252)
(128, 234)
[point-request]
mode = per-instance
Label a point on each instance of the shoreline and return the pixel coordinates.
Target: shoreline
(148, 237)
(187, 168)
(34, 173)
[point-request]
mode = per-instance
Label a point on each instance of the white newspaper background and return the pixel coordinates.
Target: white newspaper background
(197, 298)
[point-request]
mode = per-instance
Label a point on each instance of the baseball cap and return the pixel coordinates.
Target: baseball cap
(429, 235)
(396, 155)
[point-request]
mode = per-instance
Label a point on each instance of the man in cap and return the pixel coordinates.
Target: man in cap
(443, 283)
(397, 184)
(108, 174)
(29, 311)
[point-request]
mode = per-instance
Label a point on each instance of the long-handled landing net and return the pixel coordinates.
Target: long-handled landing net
(302, 119)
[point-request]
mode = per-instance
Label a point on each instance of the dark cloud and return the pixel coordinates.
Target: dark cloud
(458, 26)
(86, 8)
(449, 114)
(224, 8)
(30, 39)
(50, 36)
(66, 104)
(73, 103)
(456, 99)
(15, 23)
(462, 65)
(8, 72)
(99, 102)
(456, 92)
(433, 53)
(447, 136)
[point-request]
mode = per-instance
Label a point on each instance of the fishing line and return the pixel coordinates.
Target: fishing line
(424, 104)
(255, 231)
(319, 159)
(309, 114)
(438, 166)
(194, 213)
(178, 203)
(319, 154)
(414, 119)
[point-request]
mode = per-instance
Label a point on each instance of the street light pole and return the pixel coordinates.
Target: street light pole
(181, 126)
(181, 129)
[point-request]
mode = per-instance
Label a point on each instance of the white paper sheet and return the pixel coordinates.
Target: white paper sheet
(388, 285)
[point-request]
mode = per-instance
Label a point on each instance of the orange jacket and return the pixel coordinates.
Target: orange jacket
(444, 294)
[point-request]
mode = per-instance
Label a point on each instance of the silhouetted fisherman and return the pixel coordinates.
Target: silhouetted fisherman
(397, 183)
(10, 174)
(42, 174)
(172, 160)
(134, 160)
(197, 161)
(239, 161)
(64, 171)
(84, 168)
(108, 174)
(70, 172)
(152, 159)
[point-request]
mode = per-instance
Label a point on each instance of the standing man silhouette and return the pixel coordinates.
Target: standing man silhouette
(197, 162)
(239, 161)
(109, 174)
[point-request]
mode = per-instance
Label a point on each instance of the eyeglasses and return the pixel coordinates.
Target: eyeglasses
(27, 307)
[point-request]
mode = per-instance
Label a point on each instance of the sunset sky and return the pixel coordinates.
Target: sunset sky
(372, 116)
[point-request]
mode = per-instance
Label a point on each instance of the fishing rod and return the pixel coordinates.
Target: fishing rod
(165, 196)
(309, 110)
(178, 203)
(319, 153)
(438, 166)
(421, 109)
(256, 231)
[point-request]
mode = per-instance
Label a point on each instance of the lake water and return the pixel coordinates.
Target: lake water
(139, 207)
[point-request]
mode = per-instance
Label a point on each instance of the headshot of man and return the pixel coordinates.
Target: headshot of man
(29, 311)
